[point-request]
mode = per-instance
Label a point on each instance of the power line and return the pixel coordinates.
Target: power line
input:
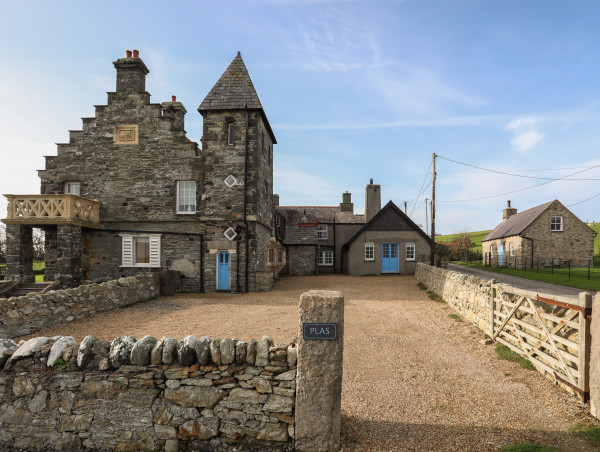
(585, 200)
(522, 189)
(421, 189)
(513, 174)
(526, 170)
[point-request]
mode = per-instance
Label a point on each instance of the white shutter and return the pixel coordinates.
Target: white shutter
(155, 251)
(127, 251)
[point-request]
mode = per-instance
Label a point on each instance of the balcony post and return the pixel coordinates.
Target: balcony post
(19, 253)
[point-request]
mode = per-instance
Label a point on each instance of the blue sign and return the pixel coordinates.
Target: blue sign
(322, 331)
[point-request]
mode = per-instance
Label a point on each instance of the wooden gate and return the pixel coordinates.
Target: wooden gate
(554, 334)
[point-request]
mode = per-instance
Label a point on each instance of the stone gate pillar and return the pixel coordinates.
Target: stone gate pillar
(19, 253)
(69, 266)
(319, 374)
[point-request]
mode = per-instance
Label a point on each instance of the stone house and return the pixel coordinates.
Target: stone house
(548, 234)
(130, 193)
(333, 239)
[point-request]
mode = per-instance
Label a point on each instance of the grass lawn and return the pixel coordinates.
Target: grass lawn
(559, 277)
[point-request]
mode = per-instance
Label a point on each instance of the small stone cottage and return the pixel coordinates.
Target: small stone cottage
(548, 234)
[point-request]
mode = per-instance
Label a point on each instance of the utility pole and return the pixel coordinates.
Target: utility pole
(426, 217)
(432, 260)
(405, 207)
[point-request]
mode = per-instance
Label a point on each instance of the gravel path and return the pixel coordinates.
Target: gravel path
(414, 379)
(522, 283)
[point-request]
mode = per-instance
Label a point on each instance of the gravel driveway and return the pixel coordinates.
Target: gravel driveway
(414, 379)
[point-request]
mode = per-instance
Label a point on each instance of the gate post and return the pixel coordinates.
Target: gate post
(492, 305)
(585, 341)
(319, 374)
(594, 371)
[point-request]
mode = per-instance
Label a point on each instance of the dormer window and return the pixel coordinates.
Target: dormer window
(556, 223)
(73, 188)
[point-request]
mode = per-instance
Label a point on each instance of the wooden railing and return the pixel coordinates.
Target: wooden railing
(52, 209)
(552, 333)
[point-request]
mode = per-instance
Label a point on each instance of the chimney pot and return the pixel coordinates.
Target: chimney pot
(173, 98)
(136, 53)
(371, 181)
(509, 203)
(128, 53)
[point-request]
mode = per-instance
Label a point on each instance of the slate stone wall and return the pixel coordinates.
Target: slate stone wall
(24, 315)
(195, 394)
(302, 260)
(19, 253)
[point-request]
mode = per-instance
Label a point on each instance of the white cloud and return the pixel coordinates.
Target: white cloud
(527, 136)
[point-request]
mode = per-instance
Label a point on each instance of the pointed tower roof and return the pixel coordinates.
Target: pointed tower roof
(234, 91)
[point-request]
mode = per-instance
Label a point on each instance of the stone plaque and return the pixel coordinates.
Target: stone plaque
(319, 331)
(126, 134)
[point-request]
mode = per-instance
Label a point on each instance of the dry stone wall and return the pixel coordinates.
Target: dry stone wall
(148, 394)
(24, 315)
(467, 294)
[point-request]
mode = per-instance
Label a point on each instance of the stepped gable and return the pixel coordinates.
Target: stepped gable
(235, 91)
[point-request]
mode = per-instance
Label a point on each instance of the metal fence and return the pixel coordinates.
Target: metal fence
(554, 265)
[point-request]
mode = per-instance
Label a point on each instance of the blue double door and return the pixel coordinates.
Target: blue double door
(390, 262)
(223, 270)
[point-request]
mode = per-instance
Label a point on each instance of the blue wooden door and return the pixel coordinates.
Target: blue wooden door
(223, 281)
(389, 258)
(501, 255)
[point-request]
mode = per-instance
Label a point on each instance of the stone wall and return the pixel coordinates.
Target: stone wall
(467, 294)
(302, 260)
(24, 315)
(194, 394)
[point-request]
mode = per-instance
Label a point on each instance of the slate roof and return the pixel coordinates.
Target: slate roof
(300, 235)
(322, 214)
(234, 91)
(517, 223)
(394, 207)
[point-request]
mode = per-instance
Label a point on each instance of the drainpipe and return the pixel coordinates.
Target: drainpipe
(237, 260)
(334, 248)
(245, 197)
(529, 238)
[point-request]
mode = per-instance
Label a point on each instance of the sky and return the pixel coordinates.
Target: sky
(352, 89)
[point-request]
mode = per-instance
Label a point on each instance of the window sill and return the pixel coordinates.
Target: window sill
(325, 265)
(185, 213)
(369, 260)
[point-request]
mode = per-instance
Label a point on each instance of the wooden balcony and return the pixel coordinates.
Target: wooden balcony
(52, 209)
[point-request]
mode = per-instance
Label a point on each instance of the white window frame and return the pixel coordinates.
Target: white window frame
(277, 221)
(491, 251)
(128, 257)
(511, 249)
(554, 224)
(179, 187)
(325, 258)
(322, 233)
(411, 251)
(69, 188)
(369, 251)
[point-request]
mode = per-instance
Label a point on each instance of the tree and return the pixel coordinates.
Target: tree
(39, 248)
(460, 246)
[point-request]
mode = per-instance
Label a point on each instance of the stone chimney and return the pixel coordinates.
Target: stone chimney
(508, 212)
(131, 73)
(372, 200)
(176, 111)
(275, 200)
(347, 205)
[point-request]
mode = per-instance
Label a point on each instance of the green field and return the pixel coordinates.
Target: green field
(476, 238)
